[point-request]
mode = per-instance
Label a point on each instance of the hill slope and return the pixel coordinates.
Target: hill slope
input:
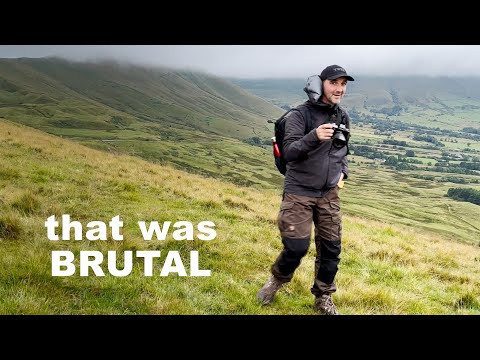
(194, 121)
(51, 93)
(384, 269)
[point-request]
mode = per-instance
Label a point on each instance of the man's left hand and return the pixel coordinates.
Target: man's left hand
(341, 182)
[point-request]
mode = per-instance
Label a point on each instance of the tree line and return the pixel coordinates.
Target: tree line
(470, 195)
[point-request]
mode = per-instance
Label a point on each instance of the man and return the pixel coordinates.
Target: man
(316, 168)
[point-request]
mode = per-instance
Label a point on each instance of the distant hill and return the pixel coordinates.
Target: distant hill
(52, 93)
(423, 96)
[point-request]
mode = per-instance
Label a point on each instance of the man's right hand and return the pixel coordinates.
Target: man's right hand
(325, 131)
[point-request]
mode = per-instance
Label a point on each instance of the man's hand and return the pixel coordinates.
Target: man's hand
(341, 182)
(325, 131)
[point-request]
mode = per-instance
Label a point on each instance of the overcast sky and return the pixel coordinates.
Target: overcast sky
(276, 61)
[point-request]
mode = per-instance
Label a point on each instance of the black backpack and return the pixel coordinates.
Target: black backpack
(277, 140)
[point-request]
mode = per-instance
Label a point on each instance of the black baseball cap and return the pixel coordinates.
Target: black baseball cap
(334, 72)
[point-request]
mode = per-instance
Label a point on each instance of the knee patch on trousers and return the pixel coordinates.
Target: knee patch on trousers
(297, 248)
(289, 258)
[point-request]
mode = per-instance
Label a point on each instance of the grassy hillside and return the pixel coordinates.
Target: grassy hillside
(385, 269)
(53, 93)
(422, 205)
(190, 120)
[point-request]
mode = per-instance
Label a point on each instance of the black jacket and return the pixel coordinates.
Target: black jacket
(313, 166)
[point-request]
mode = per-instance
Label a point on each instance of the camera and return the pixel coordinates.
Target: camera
(340, 135)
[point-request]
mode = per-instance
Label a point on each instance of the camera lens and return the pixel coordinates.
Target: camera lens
(339, 139)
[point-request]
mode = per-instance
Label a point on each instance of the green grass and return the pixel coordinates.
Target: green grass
(386, 268)
(421, 204)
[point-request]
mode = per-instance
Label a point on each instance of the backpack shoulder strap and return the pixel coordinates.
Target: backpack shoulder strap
(307, 117)
(283, 115)
(342, 114)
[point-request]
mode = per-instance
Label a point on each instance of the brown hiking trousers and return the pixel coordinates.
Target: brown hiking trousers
(297, 212)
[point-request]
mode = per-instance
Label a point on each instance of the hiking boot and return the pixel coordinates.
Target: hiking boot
(268, 291)
(324, 305)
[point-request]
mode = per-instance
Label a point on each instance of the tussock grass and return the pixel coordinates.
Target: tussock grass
(10, 225)
(385, 268)
(27, 203)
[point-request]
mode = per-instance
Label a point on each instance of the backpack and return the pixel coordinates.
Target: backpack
(279, 130)
(277, 140)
